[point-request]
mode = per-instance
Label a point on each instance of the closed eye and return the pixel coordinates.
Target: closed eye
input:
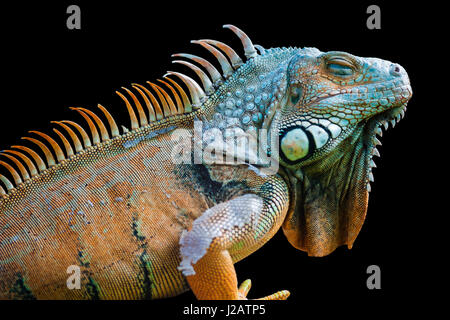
(340, 70)
(340, 67)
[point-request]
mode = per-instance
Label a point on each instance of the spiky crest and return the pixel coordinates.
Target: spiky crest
(159, 107)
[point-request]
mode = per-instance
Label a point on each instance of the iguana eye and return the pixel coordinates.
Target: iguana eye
(340, 67)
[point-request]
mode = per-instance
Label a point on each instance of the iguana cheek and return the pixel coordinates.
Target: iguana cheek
(319, 134)
(295, 144)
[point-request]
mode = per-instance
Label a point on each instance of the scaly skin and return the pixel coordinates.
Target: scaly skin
(141, 225)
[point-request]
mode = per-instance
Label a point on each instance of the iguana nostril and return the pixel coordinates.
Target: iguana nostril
(395, 69)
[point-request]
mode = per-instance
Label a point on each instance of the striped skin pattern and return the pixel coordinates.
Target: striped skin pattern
(140, 225)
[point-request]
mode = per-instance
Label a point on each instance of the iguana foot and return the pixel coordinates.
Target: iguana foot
(245, 286)
(246, 221)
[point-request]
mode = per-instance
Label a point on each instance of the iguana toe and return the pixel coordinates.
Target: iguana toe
(245, 286)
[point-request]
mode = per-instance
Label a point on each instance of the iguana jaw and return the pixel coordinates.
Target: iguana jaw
(333, 187)
(374, 128)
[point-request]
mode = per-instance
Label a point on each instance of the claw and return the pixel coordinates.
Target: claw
(280, 295)
(245, 286)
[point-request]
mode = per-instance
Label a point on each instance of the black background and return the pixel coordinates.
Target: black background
(48, 68)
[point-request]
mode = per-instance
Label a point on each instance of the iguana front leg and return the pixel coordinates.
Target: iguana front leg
(227, 233)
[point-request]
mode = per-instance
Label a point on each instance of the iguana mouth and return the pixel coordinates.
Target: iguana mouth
(375, 125)
(394, 114)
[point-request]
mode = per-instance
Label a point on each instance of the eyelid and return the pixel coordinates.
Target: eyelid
(340, 61)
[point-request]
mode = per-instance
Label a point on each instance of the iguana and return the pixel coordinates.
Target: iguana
(141, 217)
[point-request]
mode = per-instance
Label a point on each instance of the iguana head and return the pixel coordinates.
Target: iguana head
(332, 111)
(331, 96)
(326, 109)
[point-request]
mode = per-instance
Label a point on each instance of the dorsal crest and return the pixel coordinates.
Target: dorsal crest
(153, 103)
